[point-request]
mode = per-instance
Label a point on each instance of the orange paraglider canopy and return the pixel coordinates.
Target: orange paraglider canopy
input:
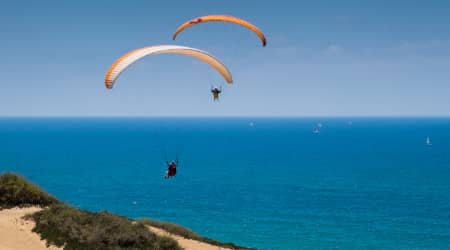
(221, 18)
(131, 57)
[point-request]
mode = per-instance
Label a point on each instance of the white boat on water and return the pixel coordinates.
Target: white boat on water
(316, 130)
(428, 141)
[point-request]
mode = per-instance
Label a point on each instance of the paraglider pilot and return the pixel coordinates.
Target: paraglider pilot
(216, 91)
(171, 169)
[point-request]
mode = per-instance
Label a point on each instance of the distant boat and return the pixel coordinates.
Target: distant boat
(349, 123)
(428, 141)
(316, 130)
(319, 125)
(251, 124)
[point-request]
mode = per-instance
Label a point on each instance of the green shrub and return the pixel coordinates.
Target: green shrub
(15, 191)
(187, 233)
(74, 229)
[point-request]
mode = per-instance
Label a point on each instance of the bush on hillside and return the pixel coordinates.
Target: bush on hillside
(74, 229)
(16, 191)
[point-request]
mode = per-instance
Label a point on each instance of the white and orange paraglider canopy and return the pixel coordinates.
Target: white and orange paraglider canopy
(221, 18)
(129, 58)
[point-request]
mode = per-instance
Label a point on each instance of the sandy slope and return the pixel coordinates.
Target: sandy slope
(15, 232)
(187, 244)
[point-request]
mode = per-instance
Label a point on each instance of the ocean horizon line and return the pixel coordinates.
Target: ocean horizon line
(233, 117)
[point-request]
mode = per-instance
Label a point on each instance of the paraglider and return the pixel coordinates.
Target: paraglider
(171, 169)
(131, 57)
(216, 91)
(221, 18)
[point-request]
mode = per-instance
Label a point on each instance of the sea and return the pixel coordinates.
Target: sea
(267, 183)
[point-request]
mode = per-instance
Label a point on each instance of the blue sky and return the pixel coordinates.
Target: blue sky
(324, 58)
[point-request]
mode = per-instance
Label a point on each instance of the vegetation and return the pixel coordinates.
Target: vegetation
(187, 233)
(62, 225)
(15, 191)
(74, 229)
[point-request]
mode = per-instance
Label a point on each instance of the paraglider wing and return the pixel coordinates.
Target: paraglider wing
(129, 58)
(221, 18)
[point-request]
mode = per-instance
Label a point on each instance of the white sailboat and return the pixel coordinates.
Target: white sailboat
(316, 130)
(428, 141)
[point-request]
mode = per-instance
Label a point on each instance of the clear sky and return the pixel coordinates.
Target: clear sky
(323, 58)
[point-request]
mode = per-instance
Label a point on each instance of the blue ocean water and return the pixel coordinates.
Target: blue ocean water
(374, 184)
